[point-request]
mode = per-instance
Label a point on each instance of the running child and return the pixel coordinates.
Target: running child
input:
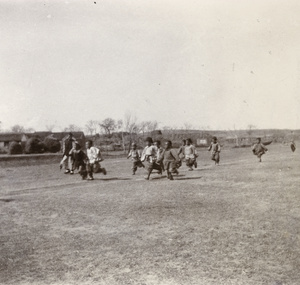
(170, 160)
(159, 151)
(149, 155)
(94, 158)
(136, 158)
(190, 154)
(215, 149)
(79, 158)
(259, 149)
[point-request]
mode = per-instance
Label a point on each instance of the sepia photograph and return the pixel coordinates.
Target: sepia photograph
(147, 142)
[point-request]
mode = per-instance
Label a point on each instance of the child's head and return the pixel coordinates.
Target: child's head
(88, 144)
(183, 142)
(214, 139)
(258, 140)
(133, 145)
(157, 143)
(168, 144)
(148, 141)
(188, 141)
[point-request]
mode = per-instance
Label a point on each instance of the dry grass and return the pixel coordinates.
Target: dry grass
(233, 224)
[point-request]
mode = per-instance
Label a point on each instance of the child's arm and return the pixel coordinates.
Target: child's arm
(209, 148)
(195, 151)
(129, 154)
(218, 148)
(176, 157)
(161, 157)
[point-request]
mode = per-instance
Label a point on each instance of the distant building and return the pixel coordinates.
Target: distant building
(7, 138)
(202, 142)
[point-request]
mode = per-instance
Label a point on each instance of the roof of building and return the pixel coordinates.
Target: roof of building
(9, 137)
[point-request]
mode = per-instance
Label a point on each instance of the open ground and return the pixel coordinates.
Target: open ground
(237, 223)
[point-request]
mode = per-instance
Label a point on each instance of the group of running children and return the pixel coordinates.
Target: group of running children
(153, 157)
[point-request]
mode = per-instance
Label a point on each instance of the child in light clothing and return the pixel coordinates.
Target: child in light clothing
(259, 149)
(215, 149)
(149, 155)
(159, 151)
(170, 160)
(94, 157)
(190, 154)
(136, 158)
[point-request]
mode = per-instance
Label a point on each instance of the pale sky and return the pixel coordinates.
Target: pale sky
(215, 63)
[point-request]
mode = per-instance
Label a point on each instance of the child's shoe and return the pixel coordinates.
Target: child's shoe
(104, 171)
(195, 164)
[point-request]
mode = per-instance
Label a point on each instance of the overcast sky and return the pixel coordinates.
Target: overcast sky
(216, 63)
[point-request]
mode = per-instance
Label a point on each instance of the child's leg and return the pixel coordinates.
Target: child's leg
(189, 163)
(170, 176)
(149, 170)
(82, 171)
(259, 155)
(90, 167)
(173, 167)
(213, 156)
(66, 164)
(134, 167)
(217, 158)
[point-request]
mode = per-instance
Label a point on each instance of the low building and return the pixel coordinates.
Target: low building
(7, 138)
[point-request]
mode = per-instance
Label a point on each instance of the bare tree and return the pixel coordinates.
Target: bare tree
(187, 126)
(29, 130)
(108, 125)
(130, 123)
(91, 127)
(250, 129)
(72, 128)
(17, 129)
(50, 128)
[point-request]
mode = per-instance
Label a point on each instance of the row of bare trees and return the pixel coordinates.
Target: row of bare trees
(129, 124)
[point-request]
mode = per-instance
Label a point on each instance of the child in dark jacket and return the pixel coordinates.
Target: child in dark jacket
(259, 149)
(79, 158)
(215, 149)
(170, 160)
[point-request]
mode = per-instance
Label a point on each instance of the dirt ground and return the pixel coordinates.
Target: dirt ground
(237, 223)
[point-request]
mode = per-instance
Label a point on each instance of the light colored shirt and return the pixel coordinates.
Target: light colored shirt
(134, 154)
(190, 151)
(93, 154)
(149, 153)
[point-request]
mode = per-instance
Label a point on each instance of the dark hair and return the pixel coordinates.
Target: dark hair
(148, 139)
(184, 141)
(90, 142)
(169, 142)
(189, 140)
(214, 138)
(158, 142)
(259, 139)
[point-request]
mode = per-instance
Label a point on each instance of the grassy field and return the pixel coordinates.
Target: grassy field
(237, 223)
